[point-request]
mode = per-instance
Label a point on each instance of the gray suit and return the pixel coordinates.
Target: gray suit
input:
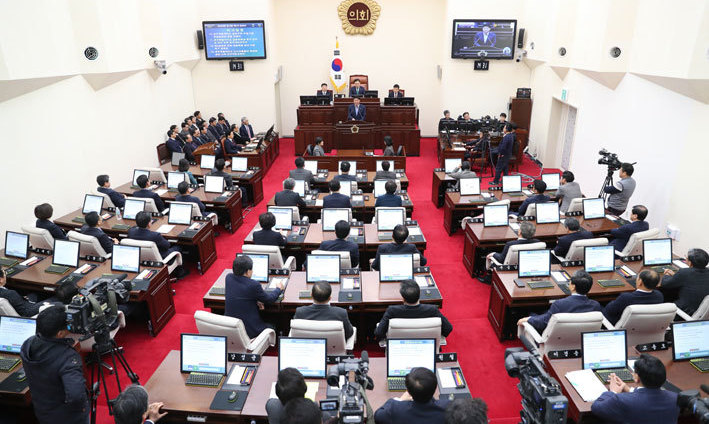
(459, 175)
(301, 174)
(318, 151)
(385, 175)
(389, 151)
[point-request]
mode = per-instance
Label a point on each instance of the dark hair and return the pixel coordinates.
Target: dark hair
(649, 278)
(299, 162)
(289, 183)
(66, 291)
(650, 371)
(129, 406)
(173, 127)
(627, 168)
(385, 165)
(540, 186)
(421, 384)
(102, 180)
(290, 385)
(219, 164)
(182, 187)
(345, 166)
(527, 231)
(212, 119)
(184, 124)
(50, 321)
(640, 211)
(342, 229)
(220, 115)
(698, 258)
(43, 211)
(91, 219)
(142, 181)
(183, 165)
(387, 140)
(196, 132)
(142, 219)
(400, 233)
(466, 411)
(321, 291)
(503, 114)
(267, 220)
(325, 84)
(301, 411)
(242, 264)
(318, 140)
(583, 281)
(356, 80)
(334, 185)
(572, 224)
(465, 166)
(410, 291)
(446, 112)
(221, 118)
(196, 113)
(568, 176)
(170, 132)
(390, 187)
(466, 113)
(508, 127)
(396, 85)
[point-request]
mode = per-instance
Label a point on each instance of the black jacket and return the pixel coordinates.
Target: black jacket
(117, 198)
(269, 238)
(396, 249)
(53, 228)
(336, 200)
(289, 198)
(137, 233)
(339, 245)
(409, 311)
(500, 257)
(102, 237)
(325, 313)
(614, 310)
(693, 284)
(149, 194)
(564, 243)
(19, 303)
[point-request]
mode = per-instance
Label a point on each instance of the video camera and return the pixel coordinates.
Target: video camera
(690, 400)
(609, 159)
(352, 401)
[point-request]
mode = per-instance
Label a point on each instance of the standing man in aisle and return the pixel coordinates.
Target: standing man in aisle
(504, 154)
(621, 191)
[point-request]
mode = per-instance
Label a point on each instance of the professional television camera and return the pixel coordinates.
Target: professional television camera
(690, 400)
(609, 159)
(352, 401)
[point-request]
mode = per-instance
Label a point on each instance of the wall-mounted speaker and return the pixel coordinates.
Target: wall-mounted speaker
(562, 51)
(153, 52)
(520, 39)
(615, 52)
(91, 53)
(200, 39)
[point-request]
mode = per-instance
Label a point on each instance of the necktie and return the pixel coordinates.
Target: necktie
(248, 129)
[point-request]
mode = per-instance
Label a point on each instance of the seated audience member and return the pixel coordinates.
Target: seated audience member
(222, 125)
(321, 310)
(142, 232)
(301, 411)
(385, 173)
(388, 147)
(288, 197)
(244, 296)
(568, 191)
(463, 171)
(539, 186)
(319, 148)
(335, 199)
(197, 137)
(230, 146)
(390, 198)
(345, 175)
(356, 89)
(466, 411)
(400, 234)
(146, 193)
(580, 284)
(417, 404)
(324, 92)
(104, 186)
(184, 196)
(221, 117)
(290, 385)
(341, 244)
(266, 236)
(465, 117)
(22, 306)
(622, 234)
(207, 135)
(647, 404)
(198, 118)
(214, 128)
(411, 292)
(219, 172)
(43, 212)
(692, 282)
(184, 166)
(246, 131)
(184, 131)
(526, 234)
(395, 92)
(131, 407)
(300, 173)
(189, 147)
(577, 233)
(91, 229)
(172, 144)
(356, 111)
(644, 294)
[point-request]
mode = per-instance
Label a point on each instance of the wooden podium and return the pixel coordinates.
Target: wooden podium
(354, 135)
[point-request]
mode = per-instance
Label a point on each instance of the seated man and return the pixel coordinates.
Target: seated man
(577, 233)
(266, 236)
(288, 197)
(356, 89)
(246, 131)
(300, 173)
(22, 306)
(230, 146)
(395, 92)
(388, 146)
(539, 186)
(91, 229)
(341, 244)
(319, 148)
(324, 92)
(142, 232)
(222, 125)
(172, 144)
(131, 407)
(184, 196)
(104, 186)
(446, 121)
(335, 199)
(411, 292)
(321, 310)
(345, 176)
(692, 282)
(466, 411)
(244, 296)
(219, 172)
(417, 404)
(400, 234)
(207, 134)
(43, 212)
(637, 224)
(146, 193)
(189, 147)
(526, 234)
(301, 411)
(568, 191)
(463, 171)
(644, 294)
(356, 111)
(289, 385)
(385, 173)
(390, 198)
(647, 404)
(580, 284)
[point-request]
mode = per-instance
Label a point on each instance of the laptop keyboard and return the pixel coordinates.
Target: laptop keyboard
(57, 269)
(385, 236)
(6, 364)
(660, 269)
(204, 379)
(217, 291)
(702, 364)
(8, 261)
(623, 373)
(396, 384)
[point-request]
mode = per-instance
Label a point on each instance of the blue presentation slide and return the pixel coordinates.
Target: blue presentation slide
(235, 40)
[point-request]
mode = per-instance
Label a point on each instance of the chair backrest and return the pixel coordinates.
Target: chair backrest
(220, 325)
(163, 153)
(89, 245)
(501, 202)
(275, 260)
(564, 330)
(107, 202)
(363, 80)
(646, 323)
(575, 252)
(400, 150)
(635, 242)
(415, 328)
(511, 258)
(148, 249)
(6, 308)
(333, 331)
(39, 237)
(149, 203)
(576, 205)
(345, 260)
(309, 149)
(156, 174)
(531, 210)
(702, 311)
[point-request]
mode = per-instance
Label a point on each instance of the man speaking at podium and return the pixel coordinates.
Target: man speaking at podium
(356, 111)
(486, 38)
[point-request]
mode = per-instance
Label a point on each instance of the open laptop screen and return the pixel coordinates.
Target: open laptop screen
(284, 217)
(259, 271)
(331, 216)
(175, 178)
(511, 183)
(547, 213)
(92, 203)
(657, 252)
(403, 355)
(14, 331)
(593, 208)
(599, 258)
(180, 213)
(604, 349)
(125, 258)
(207, 161)
(203, 353)
(690, 340)
(495, 215)
(137, 173)
(239, 164)
(213, 184)
(396, 267)
(17, 244)
(312, 166)
(469, 186)
(132, 207)
(323, 268)
(66, 253)
(552, 181)
(387, 219)
(533, 263)
(451, 164)
(309, 356)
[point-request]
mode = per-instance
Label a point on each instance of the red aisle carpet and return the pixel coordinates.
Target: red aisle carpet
(465, 299)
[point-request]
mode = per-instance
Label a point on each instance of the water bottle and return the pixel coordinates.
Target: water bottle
(118, 214)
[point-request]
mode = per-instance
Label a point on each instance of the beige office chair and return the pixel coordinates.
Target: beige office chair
(149, 252)
(235, 332)
(635, 242)
(333, 331)
(107, 202)
(466, 219)
(645, 323)
(576, 249)
(89, 245)
(149, 204)
(563, 332)
(531, 210)
(275, 260)
(415, 328)
(576, 205)
(701, 313)
(156, 174)
(39, 237)
(7, 309)
(512, 257)
(399, 208)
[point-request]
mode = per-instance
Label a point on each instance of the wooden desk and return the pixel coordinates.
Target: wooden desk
(365, 159)
(252, 182)
(367, 186)
(19, 403)
(456, 207)
(456, 149)
(264, 157)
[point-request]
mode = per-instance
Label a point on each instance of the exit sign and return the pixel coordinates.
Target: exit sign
(481, 65)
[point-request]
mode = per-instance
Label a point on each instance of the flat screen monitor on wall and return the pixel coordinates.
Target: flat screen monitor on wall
(483, 38)
(234, 40)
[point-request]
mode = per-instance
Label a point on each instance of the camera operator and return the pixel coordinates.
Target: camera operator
(417, 404)
(290, 385)
(54, 371)
(621, 191)
(131, 407)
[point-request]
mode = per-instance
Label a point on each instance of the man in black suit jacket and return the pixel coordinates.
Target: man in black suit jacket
(693, 282)
(91, 229)
(400, 234)
(219, 172)
(345, 175)
(145, 193)
(577, 233)
(395, 92)
(214, 128)
(390, 199)
(356, 89)
(526, 232)
(341, 244)
(43, 212)
(207, 134)
(246, 131)
(417, 404)
(142, 232)
(266, 236)
(288, 197)
(411, 308)
(186, 198)
(220, 115)
(21, 305)
(335, 199)
(356, 111)
(222, 126)
(621, 235)
(644, 294)
(104, 186)
(321, 310)
(385, 173)
(324, 92)
(300, 173)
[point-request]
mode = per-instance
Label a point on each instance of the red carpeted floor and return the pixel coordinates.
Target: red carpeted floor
(465, 299)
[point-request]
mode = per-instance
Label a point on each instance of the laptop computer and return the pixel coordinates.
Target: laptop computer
(125, 258)
(137, 173)
(593, 208)
(300, 187)
(450, 164)
(391, 165)
(396, 267)
(284, 218)
(495, 216)
(132, 207)
(13, 332)
(331, 216)
(346, 188)
(534, 264)
(690, 342)
(309, 356)
(239, 164)
(176, 157)
(469, 186)
(547, 213)
(552, 182)
(259, 271)
(312, 166)
(512, 185)
(204, 358)
(387, 219)
(174, 179)
(403, 355)
(213, 184)
(65, 257)
(606, 353)
(17, 245)
(657, 253)
(92, 203)
(380, 187)
(180, 213)
(599, 259)
(207, 161)
(323, 268)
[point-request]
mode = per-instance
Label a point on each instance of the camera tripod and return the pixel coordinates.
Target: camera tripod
(607, 182)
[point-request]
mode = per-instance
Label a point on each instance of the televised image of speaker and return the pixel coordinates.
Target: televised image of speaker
(200, 40)
(236, 65)
(524, 93)
(520, 38)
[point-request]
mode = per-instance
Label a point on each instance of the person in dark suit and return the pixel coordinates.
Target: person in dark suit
(301, 411)
(230, 146)
(324, 92)
(220, 115)
(345, 175)
(622, 234)
(577, 233)
(198, 118)
(131, 407)
(219, 172)
(388, 146)
(184, 131)
(319, 148)
(321, 310)
(104, 186)
(526, 234)
(485, 38)
(538, 189)
(504, 154)
(644, 294)
(467, 411)
(411, 292)
(244, 296)
(356, 111)
(214, 128)
(385, 173)
(91, 229)
(142, 232)
(266, 236)
(288, 197)
(222, 126)
(146, 193)
(172, 144)
(647, 404)
(580, 284)
(246, 131)
(189, 147)
(341, 244)
(395, 92)
(197, 137)
(446, 121)
(417, 404)
(389, 199)
(43, 212)
(185, 197)
(300, 173)
(289, 385)
(692, 282)
(335, 199)
(22, 306)
(399, 234)
(356, 89)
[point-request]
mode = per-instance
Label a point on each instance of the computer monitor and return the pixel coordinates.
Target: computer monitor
(547, 213)
(593, 208)
(17, 244)
(391, 165)
(403, 355)
(450, 164)
(180, 213)
(323, 268)
(137, 173)
(284, 217)
(309, 356)
(599, 258)
(175, 178)
(308, 100)
(125, 258)
(176, 158)
(92, 203)
(495, 215)
(346, 188)
(387, 219)
(657, 252)
(207, 161)
(552, 181)
(604, 349)
(132, 207)
(259, 271)
(66, 253)
(511, 183)
(353, 167)
(380, 187)
(331, 216)
(312, 166)
(396, 267)
(300, 187)
(203, 353)
(239, 164)
(14, 331)
(690, 340)
(533, 263)
(469, 186)
(213, 184)
(371, 93)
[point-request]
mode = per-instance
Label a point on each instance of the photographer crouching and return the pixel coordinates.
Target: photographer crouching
(621, 191)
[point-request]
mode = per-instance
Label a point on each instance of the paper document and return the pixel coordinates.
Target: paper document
(28, 261)
(680, 264)
(318, 202)
(558, 276)
(236, 374)
(309, 394)
(165, 228)
(421, 280)
(415, 231)
(348, 283)
(143, 274)
(445, 375)
(161, 191)
(588, 386)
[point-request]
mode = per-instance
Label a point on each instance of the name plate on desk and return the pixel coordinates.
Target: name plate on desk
(564, 354)
(244, 357)
(446, 357)
(653, 347)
